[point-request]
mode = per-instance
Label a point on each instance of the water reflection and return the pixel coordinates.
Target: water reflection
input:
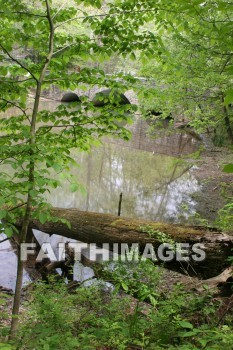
(153, 186)
(160, 141)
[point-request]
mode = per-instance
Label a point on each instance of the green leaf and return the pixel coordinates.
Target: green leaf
(68, 224)
(229, 97)
(187, 334)
(3, 213)
(125, 286)
(228, 168)
(74, 187)
(4, 346)
(153, 300)
(8, 231)
(133, 56)
(185, 324)
(33, 193)
(42, 217)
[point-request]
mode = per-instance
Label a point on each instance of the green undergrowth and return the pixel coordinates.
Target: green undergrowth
(96, 318)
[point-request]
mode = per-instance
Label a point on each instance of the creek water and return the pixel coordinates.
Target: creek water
(155, 182)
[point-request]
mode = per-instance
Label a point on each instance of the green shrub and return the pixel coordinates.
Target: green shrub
(91, 318)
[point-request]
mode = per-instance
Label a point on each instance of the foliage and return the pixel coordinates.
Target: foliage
(225, 217)
(57, 132)
(140, 279)
(161, 236)
(37, 143)
(228, 168)
(191, 78)
(4, 300)
(193, 68)
(188, 64)
(93, 318)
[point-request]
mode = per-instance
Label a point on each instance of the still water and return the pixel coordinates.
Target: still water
(153, 186)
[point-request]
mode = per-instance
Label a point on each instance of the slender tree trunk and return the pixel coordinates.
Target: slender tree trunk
(31, 178)
(228, 125)
(19, 279)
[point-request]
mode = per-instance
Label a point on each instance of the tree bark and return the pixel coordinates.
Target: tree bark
(99, 228)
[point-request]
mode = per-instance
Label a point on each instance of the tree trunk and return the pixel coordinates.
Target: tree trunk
(228, 124)
(104, 228)
(20, 264)
(31, 176)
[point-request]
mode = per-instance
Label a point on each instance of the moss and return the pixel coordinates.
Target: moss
(116, 222)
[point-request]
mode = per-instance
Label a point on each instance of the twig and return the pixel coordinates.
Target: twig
(25, 13)
(4, 240)
(10, 81)
(55, 14)
(17, 106)
(17, 206)
(18, 62)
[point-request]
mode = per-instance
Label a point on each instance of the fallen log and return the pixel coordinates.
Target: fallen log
(100, 228)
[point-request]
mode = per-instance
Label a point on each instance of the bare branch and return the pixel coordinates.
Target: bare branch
(64, 48)
(18, 62)
(107, 15)
(58, 10)
(17, 106)
(4, 240)
(11, 81)
(226, 63)
(17, 206)
(25, 14)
